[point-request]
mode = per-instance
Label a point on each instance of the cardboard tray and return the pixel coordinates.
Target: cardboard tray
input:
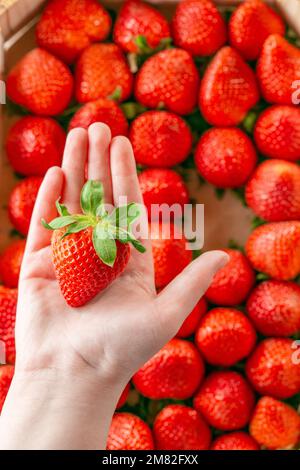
(225, 219)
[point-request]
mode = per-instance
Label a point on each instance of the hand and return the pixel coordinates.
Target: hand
(109, 338)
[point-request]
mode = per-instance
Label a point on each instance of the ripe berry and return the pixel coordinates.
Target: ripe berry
(8, 307)
(238, 440)
(129, 432)
(6, 375)
(192, 321)
(10, 263)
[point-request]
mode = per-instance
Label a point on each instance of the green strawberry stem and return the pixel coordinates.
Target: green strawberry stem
(107, 228)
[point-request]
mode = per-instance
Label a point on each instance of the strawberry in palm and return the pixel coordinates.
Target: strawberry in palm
(69, 26)
(90, 250)
(139, 24)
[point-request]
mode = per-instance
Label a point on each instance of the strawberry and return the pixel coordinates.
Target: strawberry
(139, 21)
(67, 27)
(228, 89)
(102, 71)
(225, 157)
(274, 424)
(34, 144)
(174, 372)
(170, 253)
(273, 192)
(160, 138)
(250, 25)
(225, 400)
(238, 440)
(6, 375)
(179, 427)
(162, 186)
(21, 202)
(278, 68)
(123, 397)
(41, 83)
(277, 132)
(198, 27)
(10, 263)
(273, 307)
(271, 370)
(192, 321)
(225, 336)
(129, 432)
(8, 307)
(168, 79)
(232, 284)
(91, 250)
(101, 110)
(274, 249)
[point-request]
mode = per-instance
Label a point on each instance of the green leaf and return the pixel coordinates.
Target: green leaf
(76, 227)
(126, 237)
(124, 216)
(142, 44)
(104, 244)
(60, 222)
(116, 95)
(91, 197)
(61, 209)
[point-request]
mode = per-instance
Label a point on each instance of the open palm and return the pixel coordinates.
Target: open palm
(125, 325)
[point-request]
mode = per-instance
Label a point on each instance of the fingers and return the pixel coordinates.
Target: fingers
(125, 183)
(98, 158)
(73, 165)
(178, 299)
(50, 191)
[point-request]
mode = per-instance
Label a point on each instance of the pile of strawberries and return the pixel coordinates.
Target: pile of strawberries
(219, 89)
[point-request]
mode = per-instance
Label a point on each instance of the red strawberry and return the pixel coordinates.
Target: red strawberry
(10, 263)
(170, 253)
(174, 372)
(170, 79)
(198, 27)
(273, 307)
(277, 69)
(8, 306)
(225, 157)
(225, 336)
(34, 144)
(271, 370)
(274, 424)
(179, 427)
(277, 132)
(273, 192)
(6, 375)
(102, 71)
(69, 26)
(225, 400)
(238, 440)
(162, 186)
(250, 25)
(274, 249)
(102, 110)
(88, 251)
(123, 397)
(41, 83)
(160, 138)
(138, 19)
(21, 202)
(129, 432)
(232, 284)
(192, 321)
(228, 89)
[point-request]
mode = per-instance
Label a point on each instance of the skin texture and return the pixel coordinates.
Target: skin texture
(87, 356)
(192, 321)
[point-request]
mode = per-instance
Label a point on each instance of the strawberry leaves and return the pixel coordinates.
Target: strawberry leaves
(107, 228)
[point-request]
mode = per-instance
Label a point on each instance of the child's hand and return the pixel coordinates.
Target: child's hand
(103, 343)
